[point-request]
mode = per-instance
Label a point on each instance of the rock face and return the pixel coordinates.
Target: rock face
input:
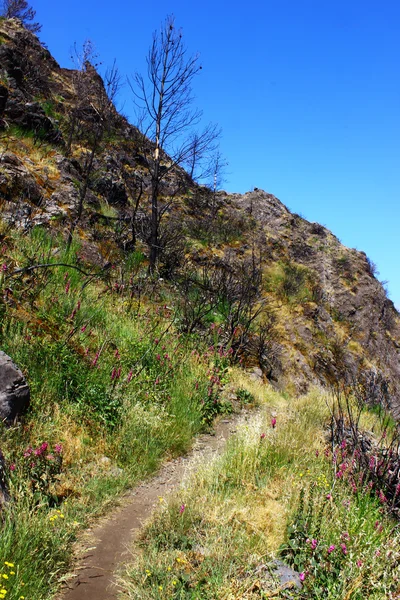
(14, 391)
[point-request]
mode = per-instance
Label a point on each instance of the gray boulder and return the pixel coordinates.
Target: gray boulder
(14, 390)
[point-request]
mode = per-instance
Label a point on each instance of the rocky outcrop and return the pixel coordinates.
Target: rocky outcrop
(14, 390)
(25, 68)
(16, 181)
(343, 326)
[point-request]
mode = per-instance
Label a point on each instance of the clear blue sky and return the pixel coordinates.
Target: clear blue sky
(307, 93)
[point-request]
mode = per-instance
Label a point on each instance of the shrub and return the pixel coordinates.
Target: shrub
(36, 472)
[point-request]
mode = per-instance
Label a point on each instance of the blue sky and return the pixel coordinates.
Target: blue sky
(307, 93)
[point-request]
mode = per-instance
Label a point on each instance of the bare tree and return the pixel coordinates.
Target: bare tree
(164, 101)
(84, 62)
(91, 116)
(20, 9)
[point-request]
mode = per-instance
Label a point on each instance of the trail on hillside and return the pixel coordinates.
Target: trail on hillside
(108, 545)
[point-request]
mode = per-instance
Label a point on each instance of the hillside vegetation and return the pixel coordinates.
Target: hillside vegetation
(275, 492)
(125, 367)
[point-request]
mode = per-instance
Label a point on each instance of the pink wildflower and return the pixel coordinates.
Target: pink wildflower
(302, 576)
(182, 509)
(58, 448)
(130, 375)
(359, 563)
(12, 467)
(273, 422)
(314, 544)
(382, 497)
(28, 452)
(329, 496)
(331, 548)
(262, 436)
(344, 548)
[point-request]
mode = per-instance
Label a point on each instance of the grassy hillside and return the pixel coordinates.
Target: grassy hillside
(115, 389)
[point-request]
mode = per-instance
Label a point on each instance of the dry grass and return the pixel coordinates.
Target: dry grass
(237, 506)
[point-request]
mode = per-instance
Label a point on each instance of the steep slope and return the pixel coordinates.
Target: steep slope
(341, 320)
(324, 315)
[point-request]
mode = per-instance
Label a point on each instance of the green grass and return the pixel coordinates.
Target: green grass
(105, 381)
(292, 283)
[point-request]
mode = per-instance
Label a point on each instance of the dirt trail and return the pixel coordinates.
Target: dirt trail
(107, 546)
